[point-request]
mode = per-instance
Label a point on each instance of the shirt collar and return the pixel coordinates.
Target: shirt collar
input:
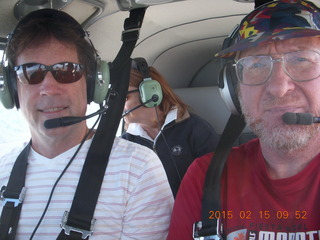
(136, 129)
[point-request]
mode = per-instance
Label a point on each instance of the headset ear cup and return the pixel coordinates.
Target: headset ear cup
(150, 89)
(102, 81)
(5, 89)
(228, 84)
(228, 80)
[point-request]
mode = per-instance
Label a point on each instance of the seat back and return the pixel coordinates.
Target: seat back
(208, 104)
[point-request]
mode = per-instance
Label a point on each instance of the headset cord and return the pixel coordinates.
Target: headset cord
(166, 143)
(60, 176)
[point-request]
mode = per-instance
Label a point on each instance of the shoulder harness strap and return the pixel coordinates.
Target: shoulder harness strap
(79, 222)
(12, 196)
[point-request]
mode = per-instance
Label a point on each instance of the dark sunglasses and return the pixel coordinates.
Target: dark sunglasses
(34, 73)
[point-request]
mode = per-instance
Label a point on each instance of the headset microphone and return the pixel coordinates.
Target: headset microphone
(154, 98)
(67, 121)
(299, 118)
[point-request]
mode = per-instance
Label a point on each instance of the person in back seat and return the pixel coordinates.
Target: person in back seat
(175, 134)
(270, 186)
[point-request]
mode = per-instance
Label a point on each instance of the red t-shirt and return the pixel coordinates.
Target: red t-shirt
(253, 205)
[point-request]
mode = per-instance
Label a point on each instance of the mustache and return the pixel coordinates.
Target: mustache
(269, 102)
(288, 99)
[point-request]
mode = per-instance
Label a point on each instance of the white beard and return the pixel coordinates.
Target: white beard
(282, 136)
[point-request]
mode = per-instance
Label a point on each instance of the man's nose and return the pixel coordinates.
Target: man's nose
(49, 85)
(279, 82)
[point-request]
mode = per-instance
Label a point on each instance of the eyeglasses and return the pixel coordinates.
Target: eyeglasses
(131, 91)
(300, 66)
(34, 73)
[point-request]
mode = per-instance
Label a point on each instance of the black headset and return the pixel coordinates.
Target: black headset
(149, 89)
(228, 80)
(97, 85)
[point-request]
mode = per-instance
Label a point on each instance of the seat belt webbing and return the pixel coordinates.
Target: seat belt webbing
(79, 221)
(12, 196)
(211, 189)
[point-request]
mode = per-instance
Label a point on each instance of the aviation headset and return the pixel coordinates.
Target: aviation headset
(149, 89)
(97, 82)
(228, 80)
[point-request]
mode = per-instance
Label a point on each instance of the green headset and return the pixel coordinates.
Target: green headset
(149, 89)
(97, 83)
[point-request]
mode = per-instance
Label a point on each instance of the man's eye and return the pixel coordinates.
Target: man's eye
(257, 65)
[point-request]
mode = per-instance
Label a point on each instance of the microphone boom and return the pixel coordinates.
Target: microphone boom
(142, 104)
(67, 121)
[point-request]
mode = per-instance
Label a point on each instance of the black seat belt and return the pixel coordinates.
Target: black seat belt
(12, 196)
(209, 228)
(79, 222)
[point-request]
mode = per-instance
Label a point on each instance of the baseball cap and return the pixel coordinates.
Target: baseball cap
(277, 20)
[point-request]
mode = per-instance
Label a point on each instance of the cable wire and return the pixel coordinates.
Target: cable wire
(60, 176)
(165, 141)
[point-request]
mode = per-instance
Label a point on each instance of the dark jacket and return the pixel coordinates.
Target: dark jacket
(180, 142)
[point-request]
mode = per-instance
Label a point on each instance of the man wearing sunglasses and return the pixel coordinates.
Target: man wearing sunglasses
(270, 186)
(53, 64)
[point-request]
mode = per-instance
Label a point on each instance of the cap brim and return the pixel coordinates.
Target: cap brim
(267, 38)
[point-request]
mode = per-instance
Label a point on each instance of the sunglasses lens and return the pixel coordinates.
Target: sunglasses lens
(30, 73)
(34, 73)
(67, 72)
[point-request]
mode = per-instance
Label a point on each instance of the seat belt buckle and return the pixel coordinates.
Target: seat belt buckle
(15, 201)
(197, 226)
(67, 229)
